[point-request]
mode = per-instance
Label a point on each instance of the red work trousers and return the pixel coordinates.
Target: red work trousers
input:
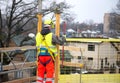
(45, 65)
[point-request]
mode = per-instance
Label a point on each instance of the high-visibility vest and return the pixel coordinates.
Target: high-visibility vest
(48, 38)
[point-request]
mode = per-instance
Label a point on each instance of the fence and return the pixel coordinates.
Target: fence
(16, 69)
(101, 62)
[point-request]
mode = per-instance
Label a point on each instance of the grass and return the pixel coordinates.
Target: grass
(90, 78)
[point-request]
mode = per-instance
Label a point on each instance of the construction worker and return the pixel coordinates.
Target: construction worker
(47, 41)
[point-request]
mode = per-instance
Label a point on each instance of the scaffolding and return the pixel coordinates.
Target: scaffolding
(84, 62)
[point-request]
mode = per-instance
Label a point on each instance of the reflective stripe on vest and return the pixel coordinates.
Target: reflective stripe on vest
(44, 52)
(48, 38)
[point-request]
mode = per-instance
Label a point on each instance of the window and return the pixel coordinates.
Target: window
(90, 58)
(91, 47)
(79, 57)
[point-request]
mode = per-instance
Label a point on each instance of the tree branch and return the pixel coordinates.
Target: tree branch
(23, 17)
(11, 15)
(18, 2)
(23, 26)
(0, 21)
(23, 12)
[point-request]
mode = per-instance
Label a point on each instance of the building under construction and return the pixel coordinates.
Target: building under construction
(101, 65)
(83, 60)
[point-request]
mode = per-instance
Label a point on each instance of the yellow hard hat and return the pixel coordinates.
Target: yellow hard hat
(49, 22)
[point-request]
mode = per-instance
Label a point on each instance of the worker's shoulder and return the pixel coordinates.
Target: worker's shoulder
(53, 35)
(38, 34)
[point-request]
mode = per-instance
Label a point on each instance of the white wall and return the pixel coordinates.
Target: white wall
(101, 51)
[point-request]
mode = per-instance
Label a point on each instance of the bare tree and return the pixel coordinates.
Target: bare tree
(16, 16)
(115, 21)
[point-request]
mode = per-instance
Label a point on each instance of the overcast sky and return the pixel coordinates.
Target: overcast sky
(86, 10)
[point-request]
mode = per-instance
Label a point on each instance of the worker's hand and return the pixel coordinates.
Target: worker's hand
(64, 38)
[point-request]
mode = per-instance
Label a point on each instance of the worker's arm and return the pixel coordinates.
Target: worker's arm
(38, 39)
(58, 40)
